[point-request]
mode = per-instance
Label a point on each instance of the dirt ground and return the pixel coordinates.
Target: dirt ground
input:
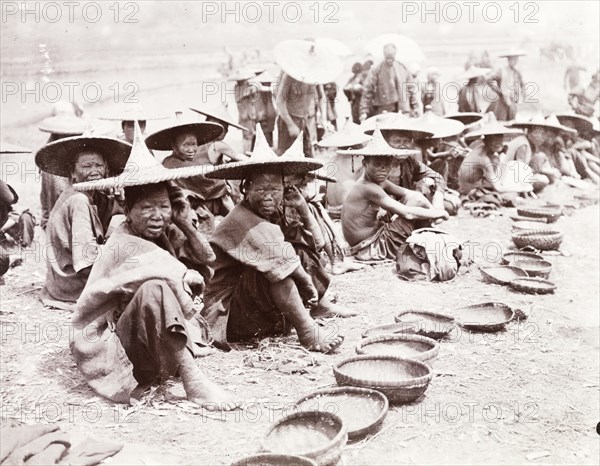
(527, 395)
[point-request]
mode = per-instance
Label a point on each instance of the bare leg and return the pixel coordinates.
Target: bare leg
(311, 335)
(326, 308)
(199, 389)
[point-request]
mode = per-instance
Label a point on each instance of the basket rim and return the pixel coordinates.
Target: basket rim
(531, 255)
(425, 355)
(357, 390)
(542, 233)
(274, 456)
(484, 272)
(412, 383)
(449, 318)
(488, 325)
(394, 324)
(339, 437)
(520, 286)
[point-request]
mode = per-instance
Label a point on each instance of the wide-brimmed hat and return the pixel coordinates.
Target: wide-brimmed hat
(221, 114)
(59, 156)
(8, 148)
(64, 124)
(307, 61)
(335, 46)
(262, 159)
(378, 147)
(132, 112)
(549, 123)
(489, 126)
(265, 77)
(350, 135)
(466, 118)
(143, 168)
(296, 152)
(241, 74)
(407, 50)
(205, 132)
(395, 123)
(474, 72)
(513, 53)
(440, 127)
(582, 124)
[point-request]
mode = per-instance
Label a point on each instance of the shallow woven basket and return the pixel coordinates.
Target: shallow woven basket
(273, 459)
(401, 380)
(362, 410)
(405, 345)
(485, 317)
(535, 268)
(551, 214)
(518, 256)
(430, 324)
(544, 240)
(533, 285)
(298, 434)
(502, 274)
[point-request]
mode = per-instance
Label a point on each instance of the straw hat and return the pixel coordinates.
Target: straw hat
(262, 158)
(296, 152)
(395, 123)
(378, 147)
(513, 53)
(265, 77)
(466, 118)
(65, 124)
(222, 114)
(335, 46)
(583, 125)
(550, 123)
(8, 148)
(440, 127)
(142, 168)
(308, 62)
(59, 156)
(241, 74)
(350, 135)
(133, 112)
(474, 72)
(489, 126)
(205, 132)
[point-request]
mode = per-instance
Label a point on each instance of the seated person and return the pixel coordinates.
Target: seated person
(16, 223)
(260, 287)
(78, 222)
(580, 146)
(372, 238)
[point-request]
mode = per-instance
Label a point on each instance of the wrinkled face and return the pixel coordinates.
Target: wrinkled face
(377, 169)
(89, 166)
(185, 146)
(400, 141)
(149, 217)
(265, 193)
(389, 54)
(494, 142)
(128, 129)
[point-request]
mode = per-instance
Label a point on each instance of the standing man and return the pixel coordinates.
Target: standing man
(510, 86)
(389, 88)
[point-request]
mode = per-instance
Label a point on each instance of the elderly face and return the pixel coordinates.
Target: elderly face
(185, 146)
(264, 193)
(89, 166)
(400, 141)
(377, 169)
(389, 54)
(150, 216)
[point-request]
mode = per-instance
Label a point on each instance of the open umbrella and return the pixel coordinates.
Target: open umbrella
(334, 45)
(308, 62)
(407, 50)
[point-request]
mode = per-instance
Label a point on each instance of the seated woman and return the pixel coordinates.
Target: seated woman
(136, 321)
(369, 236)
(78, 222)
(260, 287)
(580, 146)
(207, 197)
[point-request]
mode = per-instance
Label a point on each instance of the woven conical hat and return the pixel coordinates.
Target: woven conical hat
(308, 62)
(582, 124)
(8, 148)
(378, 147)
(143, 168)
(489, 126)
(350, 135)
(466, 118)
(550, 123)
(296, 152)
(513, 53)
(220, 113)
(263, 158)
(205, 132)
(64, 124)
(390, 123)
(440, 127)
(132, 112)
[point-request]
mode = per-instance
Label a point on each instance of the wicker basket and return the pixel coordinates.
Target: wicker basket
(362, 410)
(502, 274)
(533, 285)
(401, 380)
(317, 435)
(516, 257)
(430, 324)
(535, 268)
(551, 214)
(391, 329)
(485, 317)
(404, 345)
(273, 459)
(543, 240)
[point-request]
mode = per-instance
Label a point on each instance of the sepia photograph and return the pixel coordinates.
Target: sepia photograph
(284, 233)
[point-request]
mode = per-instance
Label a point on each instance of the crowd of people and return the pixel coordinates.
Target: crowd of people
(162, 261)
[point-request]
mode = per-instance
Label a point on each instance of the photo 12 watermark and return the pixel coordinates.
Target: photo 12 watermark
(70, 12)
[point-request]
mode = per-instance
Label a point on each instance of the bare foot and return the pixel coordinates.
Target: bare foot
(323, 339)
(326, 309)
(210, 396)
(340, 268)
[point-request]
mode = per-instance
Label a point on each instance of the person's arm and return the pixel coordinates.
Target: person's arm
(413, 97)
(293, 198)
(224, 149)
(322, 104)
(7, 195)
(367, 96)
(378, 196)
(281, 105)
